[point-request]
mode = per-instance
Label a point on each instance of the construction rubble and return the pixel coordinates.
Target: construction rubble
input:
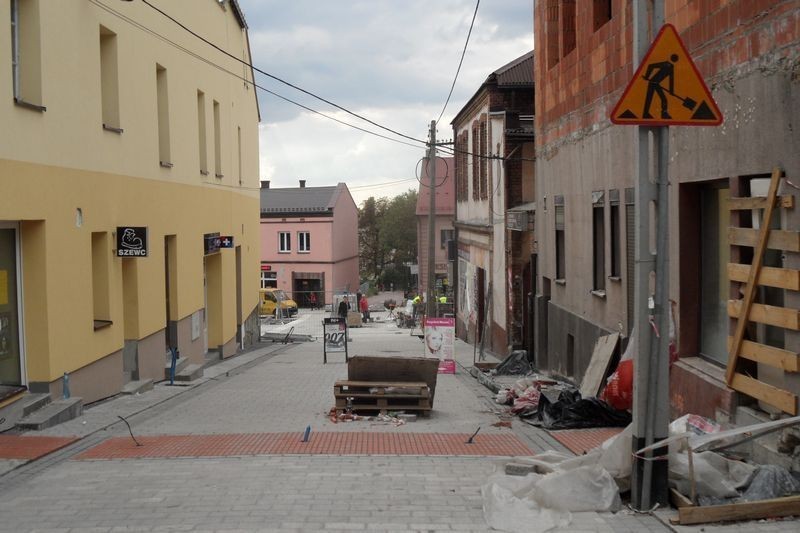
(708, 481)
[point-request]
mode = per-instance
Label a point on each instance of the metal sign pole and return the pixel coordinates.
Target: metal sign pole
(651, 379)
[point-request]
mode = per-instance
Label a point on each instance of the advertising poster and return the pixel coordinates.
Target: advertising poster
(439, 342)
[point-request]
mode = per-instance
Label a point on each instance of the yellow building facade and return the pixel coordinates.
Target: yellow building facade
(113, 117)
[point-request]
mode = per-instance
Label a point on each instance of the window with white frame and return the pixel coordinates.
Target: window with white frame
(303, 241)
(284, 242)
(269, 280)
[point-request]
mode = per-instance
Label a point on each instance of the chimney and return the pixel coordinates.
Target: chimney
(302, 184)
(265, 184)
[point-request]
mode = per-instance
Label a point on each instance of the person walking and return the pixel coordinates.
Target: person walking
(312, 300)
(363, 306)
(344, 308)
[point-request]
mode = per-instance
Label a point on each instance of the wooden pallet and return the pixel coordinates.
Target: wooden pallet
(383, 396)
(746, 309)
(690, 514)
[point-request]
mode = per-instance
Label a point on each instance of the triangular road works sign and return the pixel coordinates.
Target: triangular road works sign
(667, 89)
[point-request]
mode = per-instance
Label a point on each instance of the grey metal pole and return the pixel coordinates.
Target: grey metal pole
(430, 305)
(651, 379)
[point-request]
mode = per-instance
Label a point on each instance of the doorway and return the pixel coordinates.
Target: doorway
(480, 286)
(12, 360)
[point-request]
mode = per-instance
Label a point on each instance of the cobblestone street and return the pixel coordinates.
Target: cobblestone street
(225, 455)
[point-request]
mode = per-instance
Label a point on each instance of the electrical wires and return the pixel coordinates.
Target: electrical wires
(276, 78)
(460, 62)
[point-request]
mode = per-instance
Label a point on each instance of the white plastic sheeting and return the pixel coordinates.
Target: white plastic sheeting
(563, 484)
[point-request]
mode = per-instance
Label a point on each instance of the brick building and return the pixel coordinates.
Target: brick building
(494, 174)
(748, 54)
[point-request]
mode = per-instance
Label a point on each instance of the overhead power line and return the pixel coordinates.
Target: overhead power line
(239, 76)
(460, 62)
(276, 78)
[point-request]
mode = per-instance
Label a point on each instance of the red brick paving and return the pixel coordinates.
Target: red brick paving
(580, 441)
(331, 443)
(29, 448)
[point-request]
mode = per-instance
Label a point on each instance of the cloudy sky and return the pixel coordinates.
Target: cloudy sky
(392, 61)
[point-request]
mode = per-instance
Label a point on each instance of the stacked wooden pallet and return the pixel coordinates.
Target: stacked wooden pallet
(382, 396)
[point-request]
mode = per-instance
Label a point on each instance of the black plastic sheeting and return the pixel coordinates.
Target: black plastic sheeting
(515, 364)
(570, 411)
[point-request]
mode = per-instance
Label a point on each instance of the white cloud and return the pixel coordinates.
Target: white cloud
(390, 61)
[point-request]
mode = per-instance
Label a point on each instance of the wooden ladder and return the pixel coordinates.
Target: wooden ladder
(746, 310)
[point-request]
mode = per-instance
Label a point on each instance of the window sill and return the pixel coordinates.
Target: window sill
(101, 324)
(599, 294)
(204, 172)
(165, 164)
(219, 176)
(561, 281)
(27, 105)
(303, 251)
(284, 251)
(112, 129)
(616, 279)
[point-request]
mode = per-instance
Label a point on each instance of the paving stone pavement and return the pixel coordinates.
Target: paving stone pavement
(276, 389)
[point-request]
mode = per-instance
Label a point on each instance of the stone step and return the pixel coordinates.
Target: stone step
(34, 402)
(53, 414)
(137, 387)
(190, 373)
(180, 364)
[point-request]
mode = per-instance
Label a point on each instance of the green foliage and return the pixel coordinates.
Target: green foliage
(387, 235)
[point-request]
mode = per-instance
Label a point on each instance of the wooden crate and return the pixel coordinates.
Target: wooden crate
(383, 396)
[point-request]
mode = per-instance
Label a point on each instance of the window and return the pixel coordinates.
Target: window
(284, 242)
(162, 94)
(446, 235)
(598, 242)
(568, 27)
(560, 241)
(483, 161)
(101, 255)
(269, 280)
(239, 151)
(109, 80)
(217, 142)
(202, 141)
(26, 54)
(630, 253)
(616, 260)
(303, 241)
(552, 33)
(601, 13)
(476, 190)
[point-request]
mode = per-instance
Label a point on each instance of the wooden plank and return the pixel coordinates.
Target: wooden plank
(782, 278)
(759, 202)
(750, 289)
(598, 366)
(778, 240)
(784, 400)
(789, 506)
(382, 384)
(768, 355)
(679, 500)
(781, 317)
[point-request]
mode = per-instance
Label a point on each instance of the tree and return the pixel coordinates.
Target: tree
(387, 236)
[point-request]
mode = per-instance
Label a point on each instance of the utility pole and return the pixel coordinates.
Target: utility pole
(652, 312)
(430, 305)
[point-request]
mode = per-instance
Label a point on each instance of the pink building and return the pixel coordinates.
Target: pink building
(445, 216)
(309, 241)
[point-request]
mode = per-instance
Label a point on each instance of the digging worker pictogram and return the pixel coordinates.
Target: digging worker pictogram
(655, 75)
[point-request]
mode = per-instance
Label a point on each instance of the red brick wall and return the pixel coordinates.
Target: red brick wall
(580, 90)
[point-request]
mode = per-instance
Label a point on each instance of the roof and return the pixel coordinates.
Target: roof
(445, 188)
(237, 10)
(517, 72)
(301, 200)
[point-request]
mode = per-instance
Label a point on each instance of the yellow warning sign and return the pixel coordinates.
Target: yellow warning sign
(667, 89)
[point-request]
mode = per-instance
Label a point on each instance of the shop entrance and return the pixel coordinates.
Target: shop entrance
(12, 360)
(304, 288)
